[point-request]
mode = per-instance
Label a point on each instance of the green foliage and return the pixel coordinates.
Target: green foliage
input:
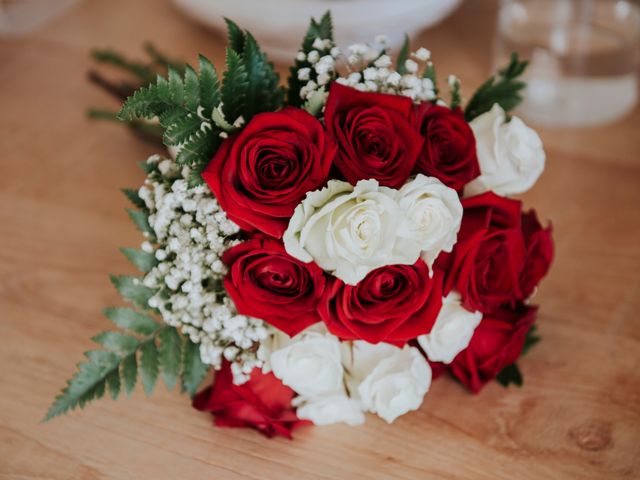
(141, 219)
(125, 356)
(403, 56)
(530, 340)
(323, 30)
(182, 103)
(132, 289)
(510, 375)
(185, 100)
(235, 86)
(430, 73)
(209, 87)
(117, 342)
(143, 261)
(129, 373)
(456, 94)
(149, 366)
(263, 93)
(503, 89)
(170, 356)
(110, 57)
(193, 369)
(134, 198)
(236, 36)
(128, 319)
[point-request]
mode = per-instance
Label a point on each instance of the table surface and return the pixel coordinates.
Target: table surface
(62, 218)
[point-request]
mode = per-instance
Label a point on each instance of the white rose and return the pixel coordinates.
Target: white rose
(350, 231)
(332, 407)
(388, 380)
(310, 363)
(433, 212)
(510, 154)
(451, 332)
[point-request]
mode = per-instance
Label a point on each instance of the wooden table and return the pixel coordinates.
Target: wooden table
(62, 219)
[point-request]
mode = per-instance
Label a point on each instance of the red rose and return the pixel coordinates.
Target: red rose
(260, 175)
(266, 283)
(449, 151)
(374, 135)
(496, 343)
(489, 256)
(539, 247)
(392, 304)
(262, 402)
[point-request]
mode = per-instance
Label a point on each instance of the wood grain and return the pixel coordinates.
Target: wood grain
(62, 219)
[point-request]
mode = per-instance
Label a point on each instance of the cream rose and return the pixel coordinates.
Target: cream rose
(329, 408)
(389, 381)
(310, 363)
(452, 331)
(433, 215)
(350, 231)
(510, 154)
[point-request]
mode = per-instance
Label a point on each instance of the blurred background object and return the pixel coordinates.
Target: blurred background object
(280, 24)
(134, 74)
(19, 17)
(584, 58)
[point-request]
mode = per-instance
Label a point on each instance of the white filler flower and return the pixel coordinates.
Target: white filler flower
(510, 154)
(389, 381)
(452, 331)
(350, 231)
(434, 214)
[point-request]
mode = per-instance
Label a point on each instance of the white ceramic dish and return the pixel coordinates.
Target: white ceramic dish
(279, 25)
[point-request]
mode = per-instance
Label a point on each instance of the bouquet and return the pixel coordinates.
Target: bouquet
(329, 248)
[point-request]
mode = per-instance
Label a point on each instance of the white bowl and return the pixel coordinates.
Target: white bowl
(279, 25)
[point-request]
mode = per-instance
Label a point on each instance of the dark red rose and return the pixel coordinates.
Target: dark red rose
(262, 402)
(496, 343)
(374, 135)
(539, 255)
(500, 256)
(449, 151)
(260, 175)
(266, 283)
(391, 304)
(489, 256)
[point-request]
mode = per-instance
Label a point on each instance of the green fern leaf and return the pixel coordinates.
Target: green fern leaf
(198, 150)
(323, 30)
(143, 261)
(234, 86)
(170, 356)
(209, 87)
(182, 128)
(144, 103)
(129, 373)
(88, 383)
(236, 36)
(403, 56)
(191, 89)
(262, 93)
(128, 319)
(504, 89)
(116, 342)
(193, 369)
(113, 383)
(176, 87)
(133, 197)
(133, 290)
(149, 366)
(430, 73)
(141, 219)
